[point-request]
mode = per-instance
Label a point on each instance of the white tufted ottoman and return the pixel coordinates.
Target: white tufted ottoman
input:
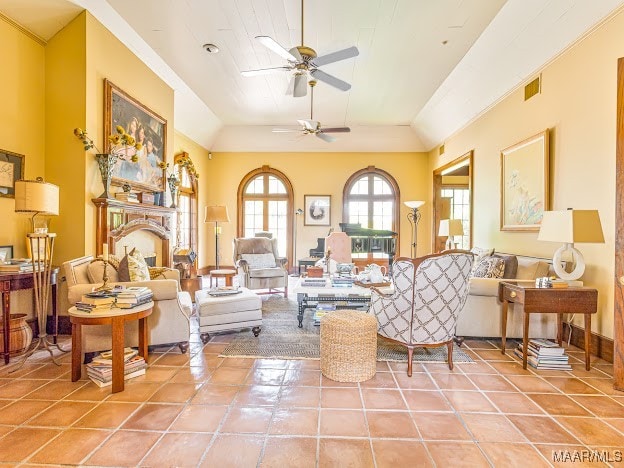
(228, 312)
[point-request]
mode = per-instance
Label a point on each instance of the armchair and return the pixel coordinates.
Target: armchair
(429, 293)
(169, 322)
(259, 265)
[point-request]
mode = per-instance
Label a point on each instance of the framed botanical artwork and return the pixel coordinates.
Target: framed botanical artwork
(6, 253)
(317, 210)
(524, 184)
(11, 169)
(147, 128)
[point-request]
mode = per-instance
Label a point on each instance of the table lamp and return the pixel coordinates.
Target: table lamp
(413, 217)
(450, 228)
(570, 227)
(216, 214)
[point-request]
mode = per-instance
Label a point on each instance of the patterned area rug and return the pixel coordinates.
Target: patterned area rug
(282, 339)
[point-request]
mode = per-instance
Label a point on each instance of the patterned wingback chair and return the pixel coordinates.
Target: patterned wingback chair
(429, 293)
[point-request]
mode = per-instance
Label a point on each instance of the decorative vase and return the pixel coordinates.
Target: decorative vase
(106, 163)
(173, 188)
(20, 334)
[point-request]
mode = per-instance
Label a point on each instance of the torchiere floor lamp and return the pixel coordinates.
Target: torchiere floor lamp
(413, 217)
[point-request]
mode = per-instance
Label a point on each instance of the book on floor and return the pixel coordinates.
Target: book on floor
(107, 383)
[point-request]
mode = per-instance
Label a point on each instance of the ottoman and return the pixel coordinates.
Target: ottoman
(224, 313)
(349, 346)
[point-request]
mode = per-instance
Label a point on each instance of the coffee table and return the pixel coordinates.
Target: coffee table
(116, 318)
(343, 297)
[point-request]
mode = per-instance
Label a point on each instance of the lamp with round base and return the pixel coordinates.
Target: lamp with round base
(450, 228)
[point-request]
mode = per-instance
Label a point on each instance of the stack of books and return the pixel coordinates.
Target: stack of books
(322, 309)
(314, 282)
(342, 281)
(96, 300)
(133, 296)
(544, 354)
(100, 370)
(17, 266)
(127, 197)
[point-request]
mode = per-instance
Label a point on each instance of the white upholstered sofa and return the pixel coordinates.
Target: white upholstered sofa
(168, 324)
(481, 315)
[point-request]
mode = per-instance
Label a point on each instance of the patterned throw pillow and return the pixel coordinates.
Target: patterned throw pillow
(258, 261)
(490, 267)
(133, 267)
(479, 254)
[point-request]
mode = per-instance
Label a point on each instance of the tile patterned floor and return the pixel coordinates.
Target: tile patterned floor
(202, 410)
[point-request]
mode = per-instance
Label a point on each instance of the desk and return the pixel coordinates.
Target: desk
(17, 281)
(116, 318)
(548, 301)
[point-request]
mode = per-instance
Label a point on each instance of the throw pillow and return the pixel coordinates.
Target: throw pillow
(490, 267)
(133, 267)
(258, 261)
(511, 265)
(479, 254)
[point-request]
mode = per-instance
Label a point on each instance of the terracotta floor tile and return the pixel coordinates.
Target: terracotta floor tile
(180, 449)
(456, 454)
(383, 398)
(453, 382)
(304, 364)
(22, 410)
(440, 368)
(135, 392)
(492, 383)
(401, 367)
(23, 441)
(382, 366)
(50, 371)
(71, 447)
(328, 383)
(560, 456)
(403, 453)
(19, 388)
(440, 426)
(541, 429)
(212, 362)
(477, 367)
(175, 393)
(302, 378)
(153, 417)
(285, 452)
(343, 423)
(295, 421)
(571, 385)
(196, 374)
(214, 348)
(492, 428)
(479, 344)
(592, 431)
(107, 415)
(345, 452)
(558, 404)
(233, 451)
(420, 381)
(381, 380)
(229, 376)
(508, 454)
(601, 406)
(63, 413)
(469, 401)
(124, 448)
(531, 384)
(170, 359)
(391, 424)
(281, 364)
(514, 403)
(157, 374)
(302, 397)
(604, 385)
(509, 368)
(492, 355)
(90, 392)
(199, 418)
(246, 420)
(419, 400)
(210, 394)
(242, 363)
(618, 423)
(341, 398)
(262, 376)
(258, 395)
(55, 390)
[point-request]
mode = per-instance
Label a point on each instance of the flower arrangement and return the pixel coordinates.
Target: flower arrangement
(183, 160)
(124, 146)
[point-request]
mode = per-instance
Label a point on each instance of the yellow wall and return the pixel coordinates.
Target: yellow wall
(578, 104)
(316, 174)
(22, 120)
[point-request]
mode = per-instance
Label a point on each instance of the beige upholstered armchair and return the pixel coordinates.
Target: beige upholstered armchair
(258, 264)
(429, 293)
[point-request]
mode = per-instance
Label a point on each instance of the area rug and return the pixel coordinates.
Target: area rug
(281, 338)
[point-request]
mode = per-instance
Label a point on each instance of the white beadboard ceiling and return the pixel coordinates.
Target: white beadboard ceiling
(426, 68)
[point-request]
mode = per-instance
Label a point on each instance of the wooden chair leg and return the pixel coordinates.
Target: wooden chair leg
(449, 346)
(410, 354)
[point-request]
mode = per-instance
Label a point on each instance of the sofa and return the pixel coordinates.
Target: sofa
(168, 324)
(481, 316)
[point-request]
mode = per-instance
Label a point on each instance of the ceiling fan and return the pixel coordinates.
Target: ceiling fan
(303, 61)
(311, 126)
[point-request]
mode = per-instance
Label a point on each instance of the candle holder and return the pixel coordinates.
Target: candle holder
(105, 286)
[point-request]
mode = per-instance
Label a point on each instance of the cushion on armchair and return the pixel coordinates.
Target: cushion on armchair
(133, 267)
(266, 272)
(259, 261)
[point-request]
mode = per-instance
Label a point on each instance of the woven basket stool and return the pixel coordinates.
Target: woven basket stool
(348, 346)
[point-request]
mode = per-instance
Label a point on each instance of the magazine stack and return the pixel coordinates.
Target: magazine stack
(100, 370)
(543, 354)
(133, 296)
(322, 309)
(96, 300)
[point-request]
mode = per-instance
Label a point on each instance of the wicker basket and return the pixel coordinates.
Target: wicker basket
(348, 346)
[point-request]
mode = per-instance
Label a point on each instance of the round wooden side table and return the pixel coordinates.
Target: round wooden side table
(116, 318)
(227, 274)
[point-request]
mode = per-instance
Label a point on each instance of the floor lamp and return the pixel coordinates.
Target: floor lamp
(413, 217)
(298, 212)
(39, 198)
(216, 214)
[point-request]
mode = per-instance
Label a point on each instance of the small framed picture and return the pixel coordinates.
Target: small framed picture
(317, 210)
(11, 170)
(6, 253)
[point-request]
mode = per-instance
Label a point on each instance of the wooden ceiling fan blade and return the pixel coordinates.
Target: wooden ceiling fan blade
(273, 46)
(330, 80)
(325, 137)
(336, 56)
(301, 85)
(264, 71)
(337, 130)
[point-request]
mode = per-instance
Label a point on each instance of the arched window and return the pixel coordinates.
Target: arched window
(371, 198)
(265, 198)
(187, 202)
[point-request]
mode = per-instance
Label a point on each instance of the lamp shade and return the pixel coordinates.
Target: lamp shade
(216, 214)
(450, 228)
(414, 204)
(36, 196)
(571, 226)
